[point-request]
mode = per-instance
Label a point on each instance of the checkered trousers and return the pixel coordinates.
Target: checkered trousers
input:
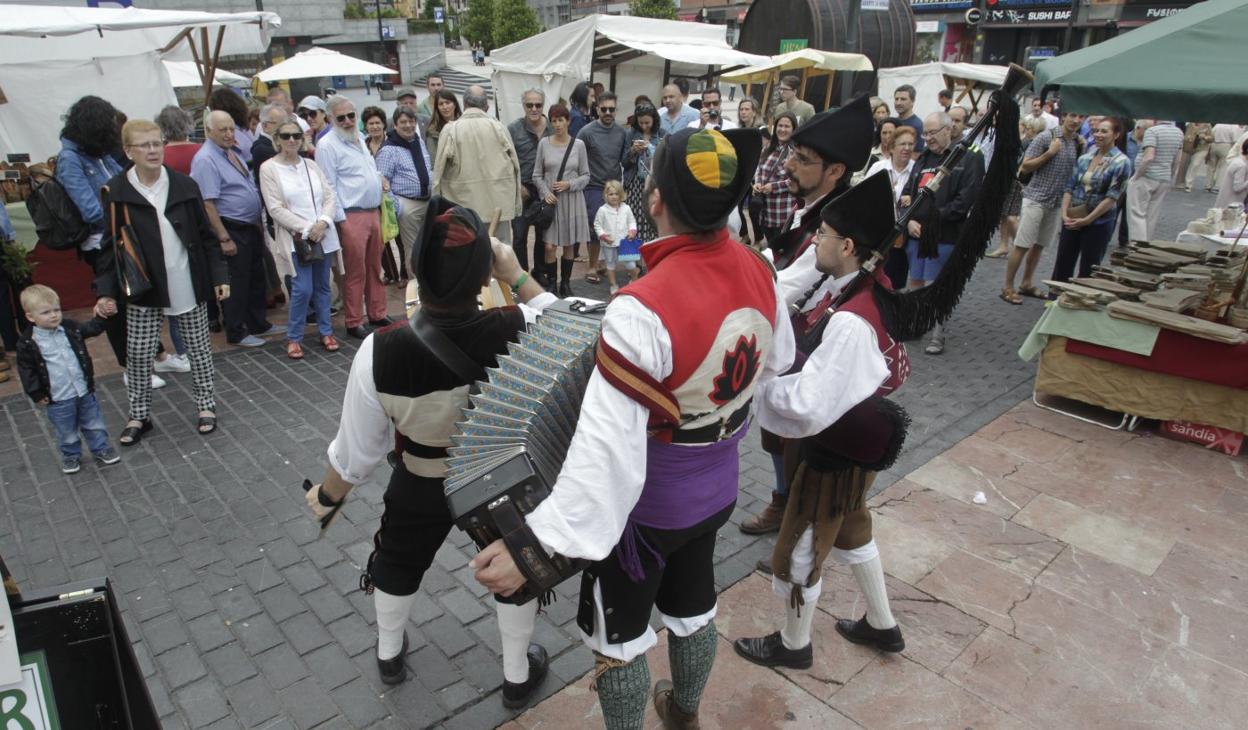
(142, 339)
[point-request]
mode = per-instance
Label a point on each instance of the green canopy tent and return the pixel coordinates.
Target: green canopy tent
(1187, 67)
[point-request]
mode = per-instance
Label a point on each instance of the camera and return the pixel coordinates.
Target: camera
(712, 113)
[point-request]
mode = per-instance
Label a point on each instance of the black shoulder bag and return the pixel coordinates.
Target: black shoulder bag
(307, 251)
(539, 213)
(446, 352)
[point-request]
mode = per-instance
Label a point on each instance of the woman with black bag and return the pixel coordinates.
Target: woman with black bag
(160, 251)
(561, 172)
(642, 143)
(305, 242)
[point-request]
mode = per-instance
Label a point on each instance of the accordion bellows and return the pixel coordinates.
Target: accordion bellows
(510, 446)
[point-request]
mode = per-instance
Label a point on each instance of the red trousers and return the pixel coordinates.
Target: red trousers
(360, 235)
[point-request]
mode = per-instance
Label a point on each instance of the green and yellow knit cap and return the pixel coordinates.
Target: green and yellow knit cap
(702, 174)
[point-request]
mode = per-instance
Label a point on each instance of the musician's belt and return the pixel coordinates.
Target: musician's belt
(712, 432)
(419, 450)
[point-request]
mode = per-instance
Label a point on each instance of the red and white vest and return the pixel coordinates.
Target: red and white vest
(717, 300)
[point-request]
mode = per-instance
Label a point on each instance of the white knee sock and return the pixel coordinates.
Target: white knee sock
(870, 577)
(796, 631)
(392, 613)
(515, 626)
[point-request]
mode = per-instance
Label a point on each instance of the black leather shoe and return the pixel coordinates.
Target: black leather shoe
(518, 694)
(359, 333)
(565, 289)
(383, 322)
(394, 670)
(861, 632)
(769, 651)
(214, 325)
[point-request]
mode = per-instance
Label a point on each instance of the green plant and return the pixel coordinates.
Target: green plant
(513, 21)
(479, 22)
(664, 9)
(421, 25)
(16, 262)
(352, 11)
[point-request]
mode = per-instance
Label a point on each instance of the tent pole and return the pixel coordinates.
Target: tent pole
(199, 63)
(827, 93)
(767, 95)
(216, 54)
(667, 72)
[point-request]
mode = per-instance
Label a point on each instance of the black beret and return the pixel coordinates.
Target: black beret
(864, 212)
(453, 256)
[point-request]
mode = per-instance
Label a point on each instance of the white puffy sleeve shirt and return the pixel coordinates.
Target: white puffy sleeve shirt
(365, 432)
(605, 470)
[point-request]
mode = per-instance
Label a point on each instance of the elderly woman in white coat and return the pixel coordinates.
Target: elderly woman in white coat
(302, 205)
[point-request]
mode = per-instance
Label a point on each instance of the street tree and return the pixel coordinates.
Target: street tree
(513, 21)
(664, 9)
(479, 23)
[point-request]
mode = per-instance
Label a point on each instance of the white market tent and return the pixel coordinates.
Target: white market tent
(185, 75)
(968, 80)
(629, 55)
(51, 56)
(315, 63)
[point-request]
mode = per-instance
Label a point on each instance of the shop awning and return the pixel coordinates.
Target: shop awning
(316, 63)
(1187, 67)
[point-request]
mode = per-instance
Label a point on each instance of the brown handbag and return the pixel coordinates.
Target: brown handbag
(131, 268)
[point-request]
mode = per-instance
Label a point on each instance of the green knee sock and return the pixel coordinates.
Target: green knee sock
(691, 658)
(622, 692)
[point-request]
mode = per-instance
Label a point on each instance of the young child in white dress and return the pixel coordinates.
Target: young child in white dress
(613, 222)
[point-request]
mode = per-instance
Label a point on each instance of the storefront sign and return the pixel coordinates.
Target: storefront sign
(1147, 13)
(927, 26)
(934, 6)
(1027, 4)
(876, 5)
(1027, 17)
(788, 45)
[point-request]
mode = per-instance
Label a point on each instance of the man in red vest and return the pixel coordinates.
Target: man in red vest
(839, 430)
(652, 470)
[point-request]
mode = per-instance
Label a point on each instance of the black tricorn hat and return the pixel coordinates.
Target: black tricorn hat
(702, 174)
(453, 256)
(841, 135)
(864, 212)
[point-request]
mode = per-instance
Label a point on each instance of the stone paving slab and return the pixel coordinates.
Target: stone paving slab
(240, 616)
(993, 641)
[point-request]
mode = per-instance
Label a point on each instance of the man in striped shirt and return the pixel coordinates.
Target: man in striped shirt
(1154, 168)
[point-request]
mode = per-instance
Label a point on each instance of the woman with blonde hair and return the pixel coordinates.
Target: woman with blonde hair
(160, 212)
(302, 205)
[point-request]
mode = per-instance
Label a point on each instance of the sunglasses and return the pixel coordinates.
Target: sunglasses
(306, 113)
(527, 105)
(290, 135)
(606, 110)
(344, 117)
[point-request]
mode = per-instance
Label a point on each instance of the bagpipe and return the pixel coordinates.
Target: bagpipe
(909, 314)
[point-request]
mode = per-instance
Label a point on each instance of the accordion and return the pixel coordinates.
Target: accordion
(510, 446)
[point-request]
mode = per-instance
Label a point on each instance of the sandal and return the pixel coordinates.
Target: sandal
(999, 253)
(294, 350)
(593, 278)
(131, 435)
(1011, 296)
(206, 424)
(1031, 291)
(329, 343)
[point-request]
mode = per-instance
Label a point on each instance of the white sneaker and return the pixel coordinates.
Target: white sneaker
(157, 381)
(173, 364)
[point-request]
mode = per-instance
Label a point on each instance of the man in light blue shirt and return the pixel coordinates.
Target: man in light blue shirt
(677, 114)
(348, 165)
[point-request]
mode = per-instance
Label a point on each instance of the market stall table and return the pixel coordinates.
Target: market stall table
(1138, 369)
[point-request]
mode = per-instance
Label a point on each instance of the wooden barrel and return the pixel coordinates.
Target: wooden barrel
(887, 38)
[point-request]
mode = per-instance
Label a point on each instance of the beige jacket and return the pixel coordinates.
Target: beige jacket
(476, 166)
(286, 221)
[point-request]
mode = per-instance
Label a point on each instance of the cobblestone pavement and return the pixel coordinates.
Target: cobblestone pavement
(241, 617)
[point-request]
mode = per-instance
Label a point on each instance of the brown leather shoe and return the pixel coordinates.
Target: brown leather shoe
(769, 520)
(669, 712)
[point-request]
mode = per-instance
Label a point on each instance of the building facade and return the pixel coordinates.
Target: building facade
(1025, 31)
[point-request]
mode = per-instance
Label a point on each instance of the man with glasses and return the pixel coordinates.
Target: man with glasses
(826, 149)
(312, 111)
(348, 165)
(525, 133)
(789, 101)
(937, 224)
(712, 113)
(232, 201)
(606, 143)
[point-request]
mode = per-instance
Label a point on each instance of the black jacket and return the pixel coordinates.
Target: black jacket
(956, 195)
(185, 210)
(32, 369)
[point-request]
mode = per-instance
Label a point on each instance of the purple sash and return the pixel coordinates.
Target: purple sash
(684, 486)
